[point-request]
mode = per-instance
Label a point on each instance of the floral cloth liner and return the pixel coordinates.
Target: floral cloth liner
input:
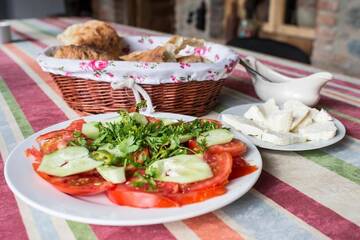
(223, 58)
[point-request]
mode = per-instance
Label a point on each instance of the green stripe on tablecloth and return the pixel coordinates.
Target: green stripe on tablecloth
(19, 116)
(81, 231)
(334, 164)
(322, 158)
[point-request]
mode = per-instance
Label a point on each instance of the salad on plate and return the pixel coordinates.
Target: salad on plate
(141, 161)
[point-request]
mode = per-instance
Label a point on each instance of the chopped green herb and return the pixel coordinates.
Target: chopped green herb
(128, 136)
(143, 180)
(78, 140)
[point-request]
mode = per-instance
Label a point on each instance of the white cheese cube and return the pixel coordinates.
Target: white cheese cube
(298, 109)
(282, 138)
(280, 121)
(305, 122)
(313, 112)
(269, 107)
(322, 116)
(275, 138)
(244, 125)
(319, 131)
(255, 114)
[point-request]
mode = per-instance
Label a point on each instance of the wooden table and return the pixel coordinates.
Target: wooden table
(300, 195)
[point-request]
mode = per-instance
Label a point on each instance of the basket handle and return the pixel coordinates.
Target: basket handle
(138, 93)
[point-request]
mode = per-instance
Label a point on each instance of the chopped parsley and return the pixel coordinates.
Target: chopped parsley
(128, 136)
(78, 140)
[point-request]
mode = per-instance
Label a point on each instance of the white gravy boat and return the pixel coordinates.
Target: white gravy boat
(282, 88)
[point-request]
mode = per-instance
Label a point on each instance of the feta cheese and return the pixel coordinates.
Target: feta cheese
(313, 112)
(269, 107)
(305, 122)
(319, 131)
(294, 123)
(282, 138)
(279, 121)
(322, 116)
(255, 114)
(298, 109)
(244, 125)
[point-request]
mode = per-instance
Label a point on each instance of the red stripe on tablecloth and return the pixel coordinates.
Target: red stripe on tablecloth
(344, 91)
(35, 67)
(42, 112)
(26, 37)
(156, 232)
(307, 209)
(11, 224)
(33, 101)
(353, 128)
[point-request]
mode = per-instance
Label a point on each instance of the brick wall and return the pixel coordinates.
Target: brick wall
(337, 42)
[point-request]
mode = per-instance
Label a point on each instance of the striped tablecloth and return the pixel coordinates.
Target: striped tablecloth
(303, 195)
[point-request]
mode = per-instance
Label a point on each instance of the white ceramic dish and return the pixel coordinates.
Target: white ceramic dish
(281, 87)
(311, 145)
(36, 192)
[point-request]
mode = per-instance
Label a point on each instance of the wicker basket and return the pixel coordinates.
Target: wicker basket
(195, 98)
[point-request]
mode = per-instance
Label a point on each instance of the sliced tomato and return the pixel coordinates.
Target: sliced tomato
(52, 141)
(168, 187)
(197, 196)
(34, 153)
(63, 133)
(128, 196)
(235, 148)
(218, 123)
(193, 145)
(87, 183)
(152, 119)
(51, 145)
(66, 133)
(241, 168)
(221, 164)
(76, 125)
(161, 187)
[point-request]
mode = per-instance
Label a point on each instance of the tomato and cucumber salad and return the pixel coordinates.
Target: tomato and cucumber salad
(141, 161)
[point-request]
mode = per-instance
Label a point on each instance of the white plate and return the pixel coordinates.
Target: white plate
(33, 190)
(310, 145)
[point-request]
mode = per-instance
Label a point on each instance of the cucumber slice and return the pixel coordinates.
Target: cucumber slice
(185, 138)
(90, 130)
(112, 149)
(181, 169)
(168, 121)
(139, 118)
(68, 161)
(216, 136)
(112, 174)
